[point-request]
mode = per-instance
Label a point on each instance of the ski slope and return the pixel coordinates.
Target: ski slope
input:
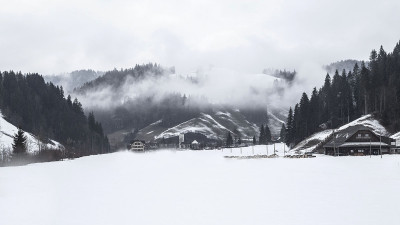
(202, 187)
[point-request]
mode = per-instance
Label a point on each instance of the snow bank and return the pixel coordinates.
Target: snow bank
(202, 187)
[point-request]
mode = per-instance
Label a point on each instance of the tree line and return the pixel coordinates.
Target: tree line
(42, 109)
(372, 88)
(264, 137)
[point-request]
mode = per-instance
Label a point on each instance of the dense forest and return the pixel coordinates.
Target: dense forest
(42, 109)
(116, 78)
(75, 79)
(372, 88)
(287, 75)
(135, 113)
(341, 65)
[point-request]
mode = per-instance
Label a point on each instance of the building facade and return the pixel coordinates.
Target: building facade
(137, 145)
(358, 142)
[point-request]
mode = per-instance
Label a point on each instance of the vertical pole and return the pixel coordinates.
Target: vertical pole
(241, 150)
(274, 149)
(284, 150)
(370, 148)
(267, 148)
(380, 145)
(252, 147)
(334, 143)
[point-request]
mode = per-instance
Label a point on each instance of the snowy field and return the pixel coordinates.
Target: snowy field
(202, 187)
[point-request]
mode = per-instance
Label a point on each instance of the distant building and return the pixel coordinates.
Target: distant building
(195, 145)
(357, 141)
(137, 145)
(185, 141)
(395, 146)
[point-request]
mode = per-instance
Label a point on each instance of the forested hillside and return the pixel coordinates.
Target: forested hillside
(347, 65)
(74, 79)
(42, 109)
(348, 95)
(116, 78)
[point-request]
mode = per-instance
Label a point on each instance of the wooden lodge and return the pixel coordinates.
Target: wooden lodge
(137, 145)
(358, 140)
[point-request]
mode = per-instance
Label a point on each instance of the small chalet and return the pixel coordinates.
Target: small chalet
(137, 145)
(195, 145)
(357, 140)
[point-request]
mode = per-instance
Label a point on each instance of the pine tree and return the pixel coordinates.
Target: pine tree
(296, 125)
(283, 133)
(289, 128)
(262, 139)
(19, 145)
(314, 109)
(229, 140)
(254, 140)
(268, 136)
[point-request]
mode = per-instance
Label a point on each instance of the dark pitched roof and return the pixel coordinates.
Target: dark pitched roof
(341, 136)
(138, 141)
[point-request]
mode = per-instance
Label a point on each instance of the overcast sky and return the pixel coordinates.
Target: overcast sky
(48, 36)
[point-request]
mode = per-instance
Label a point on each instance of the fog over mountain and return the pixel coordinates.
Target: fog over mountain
(61, 36)
(129, 100)
(74, 79)
(219, 49)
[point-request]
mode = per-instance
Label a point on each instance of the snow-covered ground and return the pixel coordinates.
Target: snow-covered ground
(7, 132)
(202, 187)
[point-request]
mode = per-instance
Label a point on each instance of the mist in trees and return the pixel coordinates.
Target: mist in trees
(42, 109)
(347, 95)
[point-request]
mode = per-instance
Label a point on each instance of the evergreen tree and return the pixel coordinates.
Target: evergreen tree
(262, 138)
(268, 136)
(304, 117)
(42, 109)
(296, 125)
(283, 133)
(19, 144)
(368, 88)
(289, 128)
(254, 140)
(229, 140)
(314, 111)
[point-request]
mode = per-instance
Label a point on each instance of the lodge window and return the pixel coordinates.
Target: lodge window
(360, 150)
